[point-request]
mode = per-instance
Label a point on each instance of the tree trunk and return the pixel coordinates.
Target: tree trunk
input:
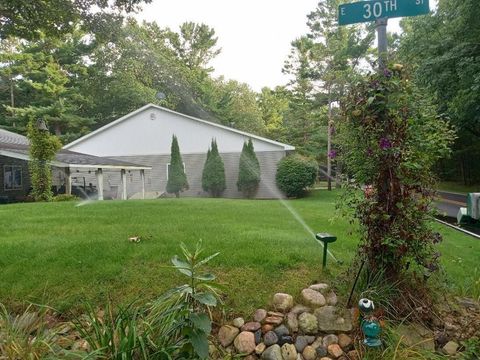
(329, 142)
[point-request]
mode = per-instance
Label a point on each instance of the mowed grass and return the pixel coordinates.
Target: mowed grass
(61, 254)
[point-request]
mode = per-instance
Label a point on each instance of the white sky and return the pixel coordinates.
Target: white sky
(254, 35)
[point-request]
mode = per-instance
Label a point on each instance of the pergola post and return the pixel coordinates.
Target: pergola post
(124, 184)
(68, 181)
(142, 178)
(99, 174)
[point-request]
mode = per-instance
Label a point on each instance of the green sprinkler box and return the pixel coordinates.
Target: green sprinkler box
(325, 239)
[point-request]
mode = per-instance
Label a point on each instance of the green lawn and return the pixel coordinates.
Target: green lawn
(458, 187)
(61, 254)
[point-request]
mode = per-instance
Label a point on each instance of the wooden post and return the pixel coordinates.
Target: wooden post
(142, 177)
(99, 174)
(124, 184)
(68, 181)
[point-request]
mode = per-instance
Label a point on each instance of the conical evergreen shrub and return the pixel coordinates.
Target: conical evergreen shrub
(177, 179)
(213, 176)
(248, 171)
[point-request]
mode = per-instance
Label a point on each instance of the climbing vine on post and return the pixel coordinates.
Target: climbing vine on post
(389, 139)
(43, 147)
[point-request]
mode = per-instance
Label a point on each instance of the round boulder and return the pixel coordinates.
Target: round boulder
(313, 298)
(227, 334)
(308, 323)
(245, 342)
(282, 302)
(289, 352)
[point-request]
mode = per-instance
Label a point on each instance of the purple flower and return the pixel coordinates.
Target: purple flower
(369, 152)
(387, 73)
(332, 154)
(385, 144)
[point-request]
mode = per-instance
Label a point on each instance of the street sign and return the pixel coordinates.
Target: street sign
(364, 11)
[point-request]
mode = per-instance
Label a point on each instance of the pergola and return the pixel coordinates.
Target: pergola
(68, 160)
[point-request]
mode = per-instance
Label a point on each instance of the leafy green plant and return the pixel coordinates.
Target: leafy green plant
(213, 175)
(65, 197)
(189, 304)
(472, 349)
(43, 148)
(295, 174)
(119, 335)
(389, 139)
(26, 336)
(177, 179)
(249, 171)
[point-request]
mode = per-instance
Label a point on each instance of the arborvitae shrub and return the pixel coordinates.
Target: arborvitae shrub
(177, 179)
(249, 171)
(213, 176)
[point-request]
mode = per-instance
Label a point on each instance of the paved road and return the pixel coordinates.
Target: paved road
(449, 203)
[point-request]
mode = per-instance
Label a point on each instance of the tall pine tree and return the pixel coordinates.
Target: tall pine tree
(213, 176)
(177, 179)
(249, 171)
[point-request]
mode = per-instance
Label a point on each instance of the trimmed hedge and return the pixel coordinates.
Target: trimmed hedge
(295, 174)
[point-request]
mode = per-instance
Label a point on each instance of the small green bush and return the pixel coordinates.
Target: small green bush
(65, 197)
(295, 174)
(213, 176)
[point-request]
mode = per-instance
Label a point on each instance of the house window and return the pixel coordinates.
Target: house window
(12, 177)
(168, 169)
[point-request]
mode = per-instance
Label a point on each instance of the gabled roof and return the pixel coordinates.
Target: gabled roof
(17, 146)
(133, 113)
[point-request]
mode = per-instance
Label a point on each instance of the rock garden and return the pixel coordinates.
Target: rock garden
(314, 328)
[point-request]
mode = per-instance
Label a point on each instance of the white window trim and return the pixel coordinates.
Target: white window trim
(21, 177)
(168, 164)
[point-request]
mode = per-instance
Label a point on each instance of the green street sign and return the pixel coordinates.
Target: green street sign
(372, 10)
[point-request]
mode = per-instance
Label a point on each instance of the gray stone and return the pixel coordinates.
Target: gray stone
(299, 357)
(321, 351)
(258, 336)
(332, 319)
(309, 353)
(281, 330)
(245, 342)
(282, 301)
(227, 334)
(285, 339)
(329, 340)
(238, 322)
(301, 343)
(331, 298)
(310, 339)
(308, 323)
(292, 322)
(299, 308)
(450, 348)
(272, 353)
(313, 298)
(289, 352)
(417, 336)
(260, 315)
(270, 338)
(319, 287)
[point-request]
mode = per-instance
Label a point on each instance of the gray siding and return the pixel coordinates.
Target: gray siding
(156, 179)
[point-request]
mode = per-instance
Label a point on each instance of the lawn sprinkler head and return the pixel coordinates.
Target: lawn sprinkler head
(369, 324)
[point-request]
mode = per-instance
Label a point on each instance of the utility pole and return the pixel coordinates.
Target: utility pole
(329, 140)
(381, 25)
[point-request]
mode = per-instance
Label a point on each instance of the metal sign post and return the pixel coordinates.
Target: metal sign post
(380, 11)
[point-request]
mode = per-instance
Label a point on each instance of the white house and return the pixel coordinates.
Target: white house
(145, 135)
